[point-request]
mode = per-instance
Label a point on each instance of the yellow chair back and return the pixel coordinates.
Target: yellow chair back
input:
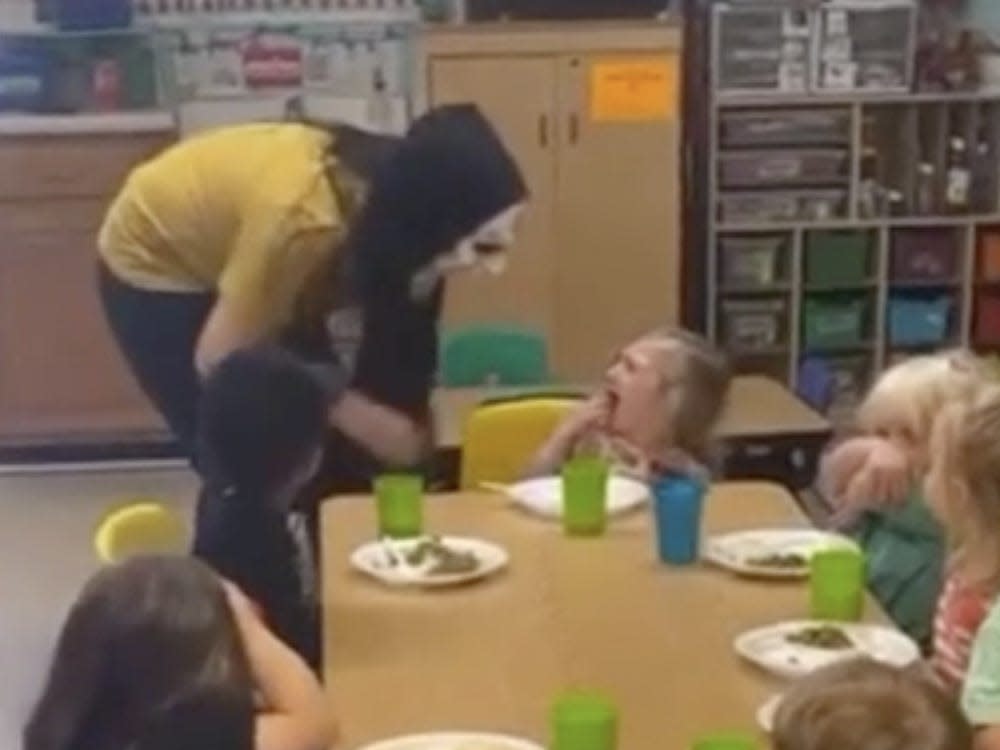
(140, 528)
(499, 439)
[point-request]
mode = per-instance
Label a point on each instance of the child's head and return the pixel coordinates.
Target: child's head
(864, 705)
(261, 424)
(963, 484)
(906, 398)
(147, 642)
(668, 389)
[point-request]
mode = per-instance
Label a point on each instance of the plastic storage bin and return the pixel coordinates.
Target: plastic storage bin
(989, 255)
(79, 15)
(24, 71)
(785, 127)
(738, 169)
(787, 205)
(924, 255)
(916, 321)
(833, 323)
(837, 258)
(987, 326)
(750, 325)
(754, 261)
(762, 49)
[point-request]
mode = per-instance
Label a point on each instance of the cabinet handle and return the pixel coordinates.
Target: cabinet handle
(543, 131)
(574, 128)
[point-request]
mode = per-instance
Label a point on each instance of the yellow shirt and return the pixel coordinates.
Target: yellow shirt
(247, 210)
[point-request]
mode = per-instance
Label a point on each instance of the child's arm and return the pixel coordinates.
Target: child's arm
(559, 447)
(296, 714)
(866, 472)
(987, 738)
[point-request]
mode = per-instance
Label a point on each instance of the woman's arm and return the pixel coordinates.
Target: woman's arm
(296, 714)
(389, 435)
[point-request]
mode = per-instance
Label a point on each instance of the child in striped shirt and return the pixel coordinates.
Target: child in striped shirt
(963, 490)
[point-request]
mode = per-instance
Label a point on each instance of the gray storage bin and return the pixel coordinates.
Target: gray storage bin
(754, 207)
(750, 325)
(785, 127)
(767, 168)
(753, 261)
(762, 49)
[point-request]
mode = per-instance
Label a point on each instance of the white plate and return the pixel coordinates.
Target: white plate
(544, 495)
(768, 712)
(376, 559)
(770, 650)
(454, 741)
(736, 551)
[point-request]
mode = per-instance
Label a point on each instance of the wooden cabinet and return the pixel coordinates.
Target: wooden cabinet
(61, 376)
(598, 260)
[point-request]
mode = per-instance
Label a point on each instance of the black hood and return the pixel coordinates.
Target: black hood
(447, 176)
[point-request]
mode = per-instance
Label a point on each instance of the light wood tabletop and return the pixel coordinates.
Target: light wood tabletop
(758, 406)
(568, 613)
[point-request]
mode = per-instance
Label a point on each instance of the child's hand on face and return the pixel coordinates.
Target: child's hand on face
(866, 472)
(592, 414)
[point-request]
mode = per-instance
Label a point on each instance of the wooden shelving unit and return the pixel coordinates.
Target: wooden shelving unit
(838, 226)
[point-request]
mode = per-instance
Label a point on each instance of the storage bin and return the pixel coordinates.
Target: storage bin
(787, 205)
(81, 15)
(924, 255)
(833, 323)
(752, 261)
(785, 127)
(837, 258)
(24, 71)
(753, 324)
(771, 168)
(989, 255)
(762, 49)
(987, 326)
(919, 321)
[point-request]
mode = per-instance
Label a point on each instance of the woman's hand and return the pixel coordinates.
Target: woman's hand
(867, 472)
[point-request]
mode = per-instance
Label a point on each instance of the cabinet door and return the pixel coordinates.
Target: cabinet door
(617, 225)
(517, 94)
(61, 376)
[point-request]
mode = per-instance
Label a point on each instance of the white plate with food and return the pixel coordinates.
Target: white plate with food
(794, 649)
(544, 495)
(455, 741)
(768, 712)
(772, 553)
(429, 561)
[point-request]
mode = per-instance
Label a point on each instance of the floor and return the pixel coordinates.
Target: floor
(46, 523)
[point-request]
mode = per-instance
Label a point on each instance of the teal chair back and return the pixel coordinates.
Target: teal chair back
(488, 354)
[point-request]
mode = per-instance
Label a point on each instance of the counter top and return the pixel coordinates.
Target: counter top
(112, 122)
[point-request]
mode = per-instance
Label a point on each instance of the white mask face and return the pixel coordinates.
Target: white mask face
(483, 249)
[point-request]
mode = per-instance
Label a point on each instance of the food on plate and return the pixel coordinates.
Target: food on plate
(826, 637)
(441, 559)
(779, 560)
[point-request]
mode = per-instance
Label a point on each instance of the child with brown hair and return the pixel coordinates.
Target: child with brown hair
(865, 705)
(662, 397)
(963, 490)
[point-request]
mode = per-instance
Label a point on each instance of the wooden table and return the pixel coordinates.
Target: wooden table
(758, 406)
(569, 613)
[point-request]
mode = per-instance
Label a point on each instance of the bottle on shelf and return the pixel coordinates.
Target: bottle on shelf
(959, 178)
(926, 190)
(982, 196)
(869, 192)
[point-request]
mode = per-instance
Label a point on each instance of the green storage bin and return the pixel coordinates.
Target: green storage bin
(831, 324)
(837, 258)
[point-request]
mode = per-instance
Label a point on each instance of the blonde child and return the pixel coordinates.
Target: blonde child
(865, 705)
(876, 478)
(963, 490)
(662, 396)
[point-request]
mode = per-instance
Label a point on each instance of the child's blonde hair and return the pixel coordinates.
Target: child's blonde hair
(966, 450)
(704, 385)
(907, 397)
(865, 705)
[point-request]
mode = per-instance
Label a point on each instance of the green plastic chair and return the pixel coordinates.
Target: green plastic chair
(494, 354)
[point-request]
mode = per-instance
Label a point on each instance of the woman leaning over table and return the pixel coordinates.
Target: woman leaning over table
(259, 232)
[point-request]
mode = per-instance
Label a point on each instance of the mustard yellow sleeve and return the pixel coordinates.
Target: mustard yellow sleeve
(269, 267)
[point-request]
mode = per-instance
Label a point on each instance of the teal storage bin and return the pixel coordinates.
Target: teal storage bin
(834, 323)
(915, 321)
(837, 258)
(494, 354)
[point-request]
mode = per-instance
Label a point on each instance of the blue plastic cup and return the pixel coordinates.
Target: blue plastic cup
(677, 504)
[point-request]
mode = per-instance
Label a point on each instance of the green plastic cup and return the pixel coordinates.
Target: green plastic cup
(837, 585)
(726, 741)
(584, 721)
(585, 491)
(399, 499)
